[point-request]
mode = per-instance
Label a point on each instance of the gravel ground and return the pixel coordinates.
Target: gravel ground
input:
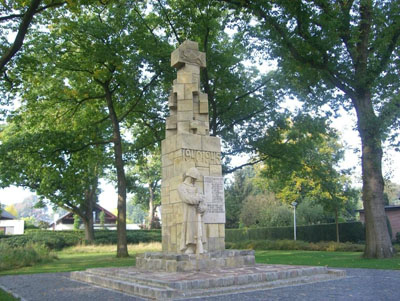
(360, 284)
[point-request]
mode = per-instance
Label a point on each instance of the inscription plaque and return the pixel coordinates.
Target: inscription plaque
(215, 200)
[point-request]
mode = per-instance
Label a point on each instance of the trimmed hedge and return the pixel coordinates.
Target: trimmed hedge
(287, 244)
(57, 240)
(132, 236)
(348, 232)
(51, 239)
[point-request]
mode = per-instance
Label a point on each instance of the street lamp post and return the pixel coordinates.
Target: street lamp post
(294, 204)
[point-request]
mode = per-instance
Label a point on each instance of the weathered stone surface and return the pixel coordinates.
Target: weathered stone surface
(188, 145)
(167, 285)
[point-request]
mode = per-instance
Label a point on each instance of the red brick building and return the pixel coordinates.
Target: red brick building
(393, 214)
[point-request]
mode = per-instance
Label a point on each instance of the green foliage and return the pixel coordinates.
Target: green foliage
(309, 213)
(286, 244)
(264, 210)
(398, 237)
(29, 223)
(135, 212)
(54, 240)
(236, 193)
(77, 222)
(57, 240)
(4, 296)
(132, 236)
(12, 257)
(350, 232)
(102, 219)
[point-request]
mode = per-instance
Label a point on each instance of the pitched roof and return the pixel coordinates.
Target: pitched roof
(70, 214)
(6, 215)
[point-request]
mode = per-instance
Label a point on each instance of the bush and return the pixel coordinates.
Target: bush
(52, 240)
(132, 236)
(398, 237)
(29, 254)
(286, 244)
(351, 232)
(57, 240)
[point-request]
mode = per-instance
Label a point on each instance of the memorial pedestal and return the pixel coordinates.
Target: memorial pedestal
(170, 262)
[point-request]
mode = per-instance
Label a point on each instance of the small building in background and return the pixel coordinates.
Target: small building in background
(66, 222)
(393, 214)
(10, 225)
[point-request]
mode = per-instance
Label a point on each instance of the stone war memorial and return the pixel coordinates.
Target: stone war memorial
(194, 261)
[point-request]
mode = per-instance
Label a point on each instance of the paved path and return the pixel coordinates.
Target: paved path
(360, 284)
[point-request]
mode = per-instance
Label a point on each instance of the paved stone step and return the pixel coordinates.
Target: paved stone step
(127, 275)
(164, 286)
(132, 288)
(330, 275)
(227, 278)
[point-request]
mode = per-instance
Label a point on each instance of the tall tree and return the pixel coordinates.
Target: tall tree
(100, 60)
(345, 54)
(240, 98)
(300, 161)
(64, 171)
(236, 193)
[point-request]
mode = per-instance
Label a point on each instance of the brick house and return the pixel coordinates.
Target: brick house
(393, 214)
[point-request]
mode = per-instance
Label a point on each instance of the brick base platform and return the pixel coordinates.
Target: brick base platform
(179, 285)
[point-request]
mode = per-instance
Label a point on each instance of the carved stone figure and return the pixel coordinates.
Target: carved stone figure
(193, 231)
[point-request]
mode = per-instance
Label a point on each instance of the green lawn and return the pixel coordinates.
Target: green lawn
(85, 257)
(81, 258)
(4, 296)
(330, 259)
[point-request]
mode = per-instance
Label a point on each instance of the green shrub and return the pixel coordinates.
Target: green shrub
(27, 255)
(132, 236)
(398, 237)
(54, 240)
(352, 232)
(287, 244)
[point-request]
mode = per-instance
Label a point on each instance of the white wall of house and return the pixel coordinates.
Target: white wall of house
(12, 226)
(60, 227)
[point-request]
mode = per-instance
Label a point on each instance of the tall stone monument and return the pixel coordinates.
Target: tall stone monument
(193, 261)
(192, 189)
(188, 145)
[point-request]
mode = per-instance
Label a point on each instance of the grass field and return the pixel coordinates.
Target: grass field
(4, 296)
(85, 257)
(330, 259)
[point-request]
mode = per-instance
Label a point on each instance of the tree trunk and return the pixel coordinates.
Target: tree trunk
(378, 242)
(151, 207)
(122, 249)
(90, 198)
(337, 225)
(89, 232)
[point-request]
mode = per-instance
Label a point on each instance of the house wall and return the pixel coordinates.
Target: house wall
(394, 218)
(60, 227)
(12, 226)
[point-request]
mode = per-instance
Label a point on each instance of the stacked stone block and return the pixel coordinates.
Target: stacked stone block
(187, 144)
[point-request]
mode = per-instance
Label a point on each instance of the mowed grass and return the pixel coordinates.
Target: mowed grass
(330, 259)
(84, 257)
(4, 296)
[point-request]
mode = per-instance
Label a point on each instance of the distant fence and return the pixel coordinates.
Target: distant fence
(352, 232)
